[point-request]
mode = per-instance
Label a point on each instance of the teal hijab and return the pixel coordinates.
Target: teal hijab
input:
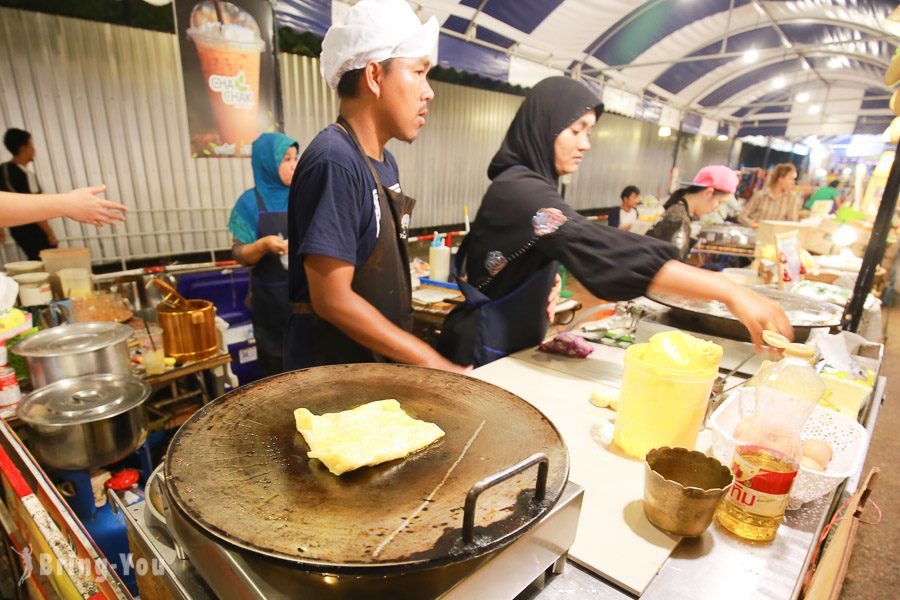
(268, 150)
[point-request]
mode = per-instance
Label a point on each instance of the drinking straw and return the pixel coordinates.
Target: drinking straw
(149, 335)
(218, 5)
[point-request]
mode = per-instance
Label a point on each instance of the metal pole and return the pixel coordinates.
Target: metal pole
(875, 249)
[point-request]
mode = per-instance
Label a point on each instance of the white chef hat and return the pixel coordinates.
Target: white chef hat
(376, 30)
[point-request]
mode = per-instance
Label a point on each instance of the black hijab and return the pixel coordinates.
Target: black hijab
(553, 104)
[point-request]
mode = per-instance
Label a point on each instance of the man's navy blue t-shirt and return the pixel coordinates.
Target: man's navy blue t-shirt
(333, 206)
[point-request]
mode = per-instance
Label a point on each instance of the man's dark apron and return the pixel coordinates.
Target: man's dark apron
(270, 303)
(383, 281)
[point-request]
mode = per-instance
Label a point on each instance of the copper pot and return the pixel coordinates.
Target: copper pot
(682, 489)
(189, 329)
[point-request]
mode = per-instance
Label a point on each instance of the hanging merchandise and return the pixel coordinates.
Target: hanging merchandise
(769, 452)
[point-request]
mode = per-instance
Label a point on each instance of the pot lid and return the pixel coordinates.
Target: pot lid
(73, 339)
(86, 399)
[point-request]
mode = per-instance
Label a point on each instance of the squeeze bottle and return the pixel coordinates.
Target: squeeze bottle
(439, 259)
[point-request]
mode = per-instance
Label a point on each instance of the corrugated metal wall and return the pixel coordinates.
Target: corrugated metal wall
(699, 151)
(625, 152)
(106, 104)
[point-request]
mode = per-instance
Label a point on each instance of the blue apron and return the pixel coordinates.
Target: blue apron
(483, 329)
(270, 304)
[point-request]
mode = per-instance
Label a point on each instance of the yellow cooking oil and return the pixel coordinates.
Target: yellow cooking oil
(767, 456)
(752, 514)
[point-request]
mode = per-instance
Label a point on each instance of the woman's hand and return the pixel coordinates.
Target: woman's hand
(83, 205)
(276, 245)
(758, 313)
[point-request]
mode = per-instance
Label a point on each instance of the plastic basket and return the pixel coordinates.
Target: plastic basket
(847, 438)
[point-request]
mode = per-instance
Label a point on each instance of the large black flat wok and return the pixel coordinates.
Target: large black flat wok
(714, 318)
(238, 474)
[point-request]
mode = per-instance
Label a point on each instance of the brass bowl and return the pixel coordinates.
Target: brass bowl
(682, 489)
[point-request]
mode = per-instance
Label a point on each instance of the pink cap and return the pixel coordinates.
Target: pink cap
(718, 177)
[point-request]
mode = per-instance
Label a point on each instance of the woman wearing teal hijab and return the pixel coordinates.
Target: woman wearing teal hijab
(258, 224)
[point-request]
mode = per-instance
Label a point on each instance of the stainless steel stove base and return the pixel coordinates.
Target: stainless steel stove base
(504, 575)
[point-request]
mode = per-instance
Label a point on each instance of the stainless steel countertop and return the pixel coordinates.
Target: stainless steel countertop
(712, 566)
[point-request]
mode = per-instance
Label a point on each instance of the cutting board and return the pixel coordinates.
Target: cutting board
(614, 538)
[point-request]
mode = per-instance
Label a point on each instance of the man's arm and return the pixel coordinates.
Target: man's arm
(334, 300)
(80, 204)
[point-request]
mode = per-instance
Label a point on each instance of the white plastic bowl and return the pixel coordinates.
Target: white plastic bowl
(847, 438)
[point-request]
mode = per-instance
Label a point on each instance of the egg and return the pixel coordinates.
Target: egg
(811, 464)
(742, 427)
(817, 450)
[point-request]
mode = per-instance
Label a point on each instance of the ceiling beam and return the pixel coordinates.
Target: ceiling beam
(764, 52)
(787, 42)
(791, 101)
(759, 64)
(867, 112)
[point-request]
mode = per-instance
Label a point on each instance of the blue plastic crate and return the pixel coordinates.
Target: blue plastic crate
(226, 290)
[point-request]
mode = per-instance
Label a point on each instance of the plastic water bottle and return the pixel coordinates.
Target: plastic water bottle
(768, 454)
(439, 259)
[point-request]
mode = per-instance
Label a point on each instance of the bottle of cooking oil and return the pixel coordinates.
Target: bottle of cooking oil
(768, 454)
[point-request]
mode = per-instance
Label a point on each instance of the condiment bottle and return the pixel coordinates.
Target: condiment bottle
(768, 453)
(439, 259)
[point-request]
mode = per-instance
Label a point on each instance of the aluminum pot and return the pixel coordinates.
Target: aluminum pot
(86, 422)
(75, 350)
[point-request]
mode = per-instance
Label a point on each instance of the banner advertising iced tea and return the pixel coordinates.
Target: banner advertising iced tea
(229, 71)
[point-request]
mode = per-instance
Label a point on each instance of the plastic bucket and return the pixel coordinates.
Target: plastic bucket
(75, 282)
(34, 288)
(660, 406)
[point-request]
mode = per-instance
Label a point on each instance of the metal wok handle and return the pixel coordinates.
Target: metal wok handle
(540, 490)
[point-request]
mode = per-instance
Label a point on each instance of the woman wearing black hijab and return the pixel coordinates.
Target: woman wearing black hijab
(524, 230)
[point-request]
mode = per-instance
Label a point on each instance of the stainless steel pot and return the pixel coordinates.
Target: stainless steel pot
(75, 350)
(85, 422)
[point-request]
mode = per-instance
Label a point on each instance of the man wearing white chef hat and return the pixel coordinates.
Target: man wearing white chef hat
(347, 216)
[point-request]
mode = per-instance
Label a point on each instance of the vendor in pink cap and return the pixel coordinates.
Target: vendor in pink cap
(712, 186)
(348, 217)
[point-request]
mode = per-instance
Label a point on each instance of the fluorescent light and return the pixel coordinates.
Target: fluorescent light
(751, 56)
(835, 62)
(722, 137)
(664, 131)
(779, 82)
(815, 109)
(802, 97)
